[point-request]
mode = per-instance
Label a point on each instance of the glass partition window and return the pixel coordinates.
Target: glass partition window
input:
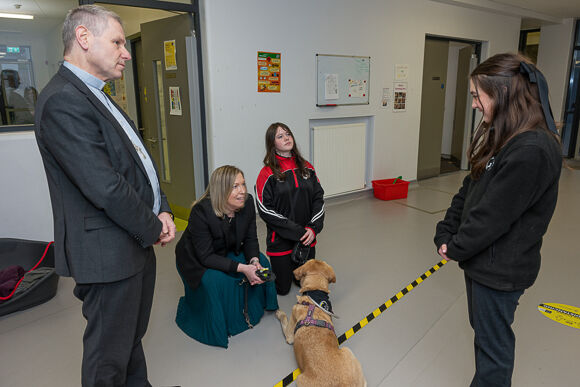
(17, 88)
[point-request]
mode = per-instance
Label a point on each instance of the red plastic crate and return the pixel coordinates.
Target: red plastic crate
(386, 190)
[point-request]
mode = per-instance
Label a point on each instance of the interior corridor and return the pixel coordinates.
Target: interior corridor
(376, 248)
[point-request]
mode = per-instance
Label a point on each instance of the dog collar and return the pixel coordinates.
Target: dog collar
(320, 299)
(310, 321)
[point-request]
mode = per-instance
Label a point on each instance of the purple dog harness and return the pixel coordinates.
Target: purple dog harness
(310, 321)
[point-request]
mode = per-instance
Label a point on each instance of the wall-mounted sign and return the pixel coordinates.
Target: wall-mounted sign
(175, 101)
(401, 72)
(170, 55)
(400, 100)
(269, 64)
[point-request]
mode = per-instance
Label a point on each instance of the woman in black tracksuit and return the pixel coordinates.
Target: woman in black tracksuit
(496, 221)
(290, 200)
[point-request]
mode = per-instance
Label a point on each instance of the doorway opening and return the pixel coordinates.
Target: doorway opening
(162, 93)
(447, 119)
(571, 128)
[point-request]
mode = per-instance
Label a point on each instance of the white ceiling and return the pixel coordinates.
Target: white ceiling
(557, 8)
(532, 11)
(49, 14)
(39, 8)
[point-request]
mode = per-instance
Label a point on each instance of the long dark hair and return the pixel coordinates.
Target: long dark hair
(270, 159)
(515, 106)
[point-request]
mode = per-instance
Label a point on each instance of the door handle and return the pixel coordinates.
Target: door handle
(151, 140)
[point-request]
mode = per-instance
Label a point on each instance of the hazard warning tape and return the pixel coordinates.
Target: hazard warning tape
(362, 323)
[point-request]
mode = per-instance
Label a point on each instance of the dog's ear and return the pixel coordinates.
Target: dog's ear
(299, 272)
(329, 274)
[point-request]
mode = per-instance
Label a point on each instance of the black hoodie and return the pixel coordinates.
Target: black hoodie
(494, 226)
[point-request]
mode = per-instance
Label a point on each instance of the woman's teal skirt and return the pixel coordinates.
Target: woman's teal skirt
(214, 311)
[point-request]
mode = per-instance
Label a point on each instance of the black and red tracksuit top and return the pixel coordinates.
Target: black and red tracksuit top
(289, 206)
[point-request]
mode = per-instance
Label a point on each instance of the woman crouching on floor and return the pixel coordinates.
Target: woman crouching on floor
(217, 258)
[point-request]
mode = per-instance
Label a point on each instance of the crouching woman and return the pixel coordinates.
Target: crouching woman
(217, 258)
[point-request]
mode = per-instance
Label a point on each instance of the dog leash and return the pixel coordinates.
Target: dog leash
(362, 323)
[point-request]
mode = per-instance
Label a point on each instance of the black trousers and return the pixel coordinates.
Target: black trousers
(283, 268)
(491, 314)
(117, 316)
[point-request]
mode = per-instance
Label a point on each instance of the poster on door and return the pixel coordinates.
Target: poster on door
(269, 64)
(175, 101)
(116, 90)
(400, 97)
(170, 55)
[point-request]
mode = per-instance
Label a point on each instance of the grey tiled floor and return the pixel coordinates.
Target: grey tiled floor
(376, 248)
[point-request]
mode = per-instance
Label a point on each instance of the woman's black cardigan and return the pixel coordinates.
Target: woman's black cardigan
(204, 242)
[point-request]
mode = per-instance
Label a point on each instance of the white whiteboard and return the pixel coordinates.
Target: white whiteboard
(342, 80)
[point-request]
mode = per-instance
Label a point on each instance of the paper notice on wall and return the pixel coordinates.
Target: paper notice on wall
(175, 101)
(401, 72)
(357, 88)
(331, 86)
(386, 99)
(400, 98)
(170, 55)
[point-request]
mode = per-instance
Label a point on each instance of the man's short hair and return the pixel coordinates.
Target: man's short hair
(94, 17)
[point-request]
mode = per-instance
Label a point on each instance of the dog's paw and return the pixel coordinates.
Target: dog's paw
(290, 339)
(280, 315)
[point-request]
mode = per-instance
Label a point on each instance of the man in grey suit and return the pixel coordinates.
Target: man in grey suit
(107, 205)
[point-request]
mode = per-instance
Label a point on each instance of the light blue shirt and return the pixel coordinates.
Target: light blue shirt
(96, 85)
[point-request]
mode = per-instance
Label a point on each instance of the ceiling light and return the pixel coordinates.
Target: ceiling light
(16, 16)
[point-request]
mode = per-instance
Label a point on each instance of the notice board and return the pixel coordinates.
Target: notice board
(342, 80)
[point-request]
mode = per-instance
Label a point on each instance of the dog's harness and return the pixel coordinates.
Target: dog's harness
(320, 299)
(310, 321)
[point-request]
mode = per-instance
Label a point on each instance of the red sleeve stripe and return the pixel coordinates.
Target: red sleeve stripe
(263, 177)
(278, 253)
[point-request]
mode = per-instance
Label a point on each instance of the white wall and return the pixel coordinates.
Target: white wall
(554, 62)
(389, 31)
(26, 211)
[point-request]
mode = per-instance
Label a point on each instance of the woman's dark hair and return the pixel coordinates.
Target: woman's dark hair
(515, 106)
(270, 159)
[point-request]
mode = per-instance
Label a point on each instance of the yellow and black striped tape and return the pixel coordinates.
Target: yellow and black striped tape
(362, 323)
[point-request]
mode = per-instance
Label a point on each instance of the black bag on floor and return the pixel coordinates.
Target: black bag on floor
(30, 255)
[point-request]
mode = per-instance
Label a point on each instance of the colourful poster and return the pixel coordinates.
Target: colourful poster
(400, 101)
(116, 89)
(174, 101)
(269, 64)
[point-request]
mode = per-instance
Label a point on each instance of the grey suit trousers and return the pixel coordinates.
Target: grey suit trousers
(117, 315)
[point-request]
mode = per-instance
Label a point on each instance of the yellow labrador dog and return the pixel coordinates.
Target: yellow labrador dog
(310, 329)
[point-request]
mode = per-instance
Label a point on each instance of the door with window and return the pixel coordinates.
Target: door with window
(164, 94)
(570, 131)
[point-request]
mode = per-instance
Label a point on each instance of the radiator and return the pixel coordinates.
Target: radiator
(339, 157)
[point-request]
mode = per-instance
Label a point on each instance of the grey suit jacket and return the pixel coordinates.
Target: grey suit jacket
(101, 197)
